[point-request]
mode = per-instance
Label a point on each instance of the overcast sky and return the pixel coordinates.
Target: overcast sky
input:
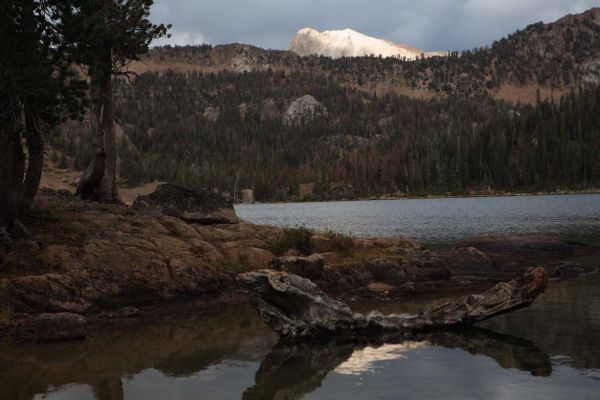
(426, 24)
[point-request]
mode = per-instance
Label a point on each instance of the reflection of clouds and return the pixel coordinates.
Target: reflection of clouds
(364, 360)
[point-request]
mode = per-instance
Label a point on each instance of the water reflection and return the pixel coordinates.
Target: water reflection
(181, 357)
(365, 360)
(228, 353)
(293, 371)
(178, 346)
(565, 322)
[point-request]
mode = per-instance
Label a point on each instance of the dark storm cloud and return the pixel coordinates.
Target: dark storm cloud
(426, 24)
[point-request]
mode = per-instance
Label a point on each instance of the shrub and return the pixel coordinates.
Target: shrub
(339, 241)
(297, 238)
(239, 266)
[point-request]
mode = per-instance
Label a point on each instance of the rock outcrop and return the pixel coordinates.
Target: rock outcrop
(502, 257)
(534, 246)
(402, 275)
(85, 258)
(303, 109)
(197, 206)
(297, 309)
(590, 73)
(211, 114)
(247, 61)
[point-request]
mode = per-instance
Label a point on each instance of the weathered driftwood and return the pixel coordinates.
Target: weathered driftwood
(297, 309)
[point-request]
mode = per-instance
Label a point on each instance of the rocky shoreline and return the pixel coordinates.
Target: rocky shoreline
(79, 262)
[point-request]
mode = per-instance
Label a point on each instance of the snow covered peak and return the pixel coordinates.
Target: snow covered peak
(349, 43)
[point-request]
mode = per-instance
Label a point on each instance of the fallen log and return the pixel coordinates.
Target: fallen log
(297, 309)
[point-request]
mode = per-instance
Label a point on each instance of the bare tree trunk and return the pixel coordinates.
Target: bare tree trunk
(99, 181)
(35, 165)
(92, 176)
(107, 191)
(12, 165)
(297, 309)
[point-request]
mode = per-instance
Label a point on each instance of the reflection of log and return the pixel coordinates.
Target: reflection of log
(507, 351)
(296, 308)
(109, 389)
(291, 371)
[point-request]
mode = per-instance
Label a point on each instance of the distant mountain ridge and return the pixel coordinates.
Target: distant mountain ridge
(237, 116)
(350, 43)
(541, 60)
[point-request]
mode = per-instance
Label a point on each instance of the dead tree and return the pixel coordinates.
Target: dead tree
(297, 309)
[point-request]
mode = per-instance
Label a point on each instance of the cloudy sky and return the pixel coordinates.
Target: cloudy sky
(426, 24)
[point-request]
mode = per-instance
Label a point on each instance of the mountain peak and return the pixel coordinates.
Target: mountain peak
(350, 43)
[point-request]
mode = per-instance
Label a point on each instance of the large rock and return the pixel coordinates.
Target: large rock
(303, 109)
(192, 205)
(590, 73)
(211, 114)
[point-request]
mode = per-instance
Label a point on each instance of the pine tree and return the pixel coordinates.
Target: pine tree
(37, 91)
(106, 35)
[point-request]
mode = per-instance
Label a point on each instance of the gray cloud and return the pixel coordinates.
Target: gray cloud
(426, 24)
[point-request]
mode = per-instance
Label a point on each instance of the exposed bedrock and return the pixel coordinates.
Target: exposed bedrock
(297, 309)
(523, 246)
(503, 257)
(390, 272)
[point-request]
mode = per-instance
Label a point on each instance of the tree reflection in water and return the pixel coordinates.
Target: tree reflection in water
(293, 371)
(185, 347)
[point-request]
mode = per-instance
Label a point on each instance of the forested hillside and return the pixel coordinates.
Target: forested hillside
(224, 118)
(558, 55)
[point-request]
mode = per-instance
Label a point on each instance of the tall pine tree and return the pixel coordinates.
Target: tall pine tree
(106, 35)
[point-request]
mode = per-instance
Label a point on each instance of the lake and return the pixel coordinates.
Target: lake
(440, 221)
(548, 351)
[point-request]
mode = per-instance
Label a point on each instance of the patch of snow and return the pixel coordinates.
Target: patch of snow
(350, 43)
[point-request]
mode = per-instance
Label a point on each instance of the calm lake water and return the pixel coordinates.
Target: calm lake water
(548, 351)
(439, 221)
